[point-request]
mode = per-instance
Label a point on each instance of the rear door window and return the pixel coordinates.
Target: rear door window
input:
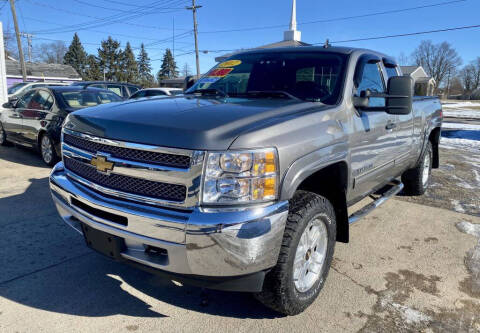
(117, 89)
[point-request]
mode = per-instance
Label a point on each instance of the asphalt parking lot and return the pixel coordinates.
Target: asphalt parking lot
(410, 266)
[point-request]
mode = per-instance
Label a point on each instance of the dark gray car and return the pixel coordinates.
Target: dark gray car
(244, 183)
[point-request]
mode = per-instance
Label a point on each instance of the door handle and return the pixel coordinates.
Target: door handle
(390, 126)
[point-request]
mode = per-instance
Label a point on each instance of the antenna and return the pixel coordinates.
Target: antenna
(327, 44)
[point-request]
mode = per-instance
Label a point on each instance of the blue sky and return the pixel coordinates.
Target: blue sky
(49, 20)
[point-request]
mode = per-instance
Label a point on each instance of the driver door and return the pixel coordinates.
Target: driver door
(373, 138)
(12, 118)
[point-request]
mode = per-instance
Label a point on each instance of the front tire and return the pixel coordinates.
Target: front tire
(305, 255)
(47, 150)
(416, 180)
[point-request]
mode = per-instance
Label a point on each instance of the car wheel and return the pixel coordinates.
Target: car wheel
(305, 255)
(47, 150)
(416, 180)
(3, 136)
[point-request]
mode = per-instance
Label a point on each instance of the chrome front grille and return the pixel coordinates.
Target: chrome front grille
(145, 156)
(137, 186)
(142, 173)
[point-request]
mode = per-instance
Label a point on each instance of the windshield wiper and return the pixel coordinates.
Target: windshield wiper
(209, 91)
(272, 93)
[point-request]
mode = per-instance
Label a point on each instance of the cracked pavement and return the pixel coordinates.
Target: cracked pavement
(409, 267)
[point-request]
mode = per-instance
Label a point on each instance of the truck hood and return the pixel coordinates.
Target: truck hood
(183, 122)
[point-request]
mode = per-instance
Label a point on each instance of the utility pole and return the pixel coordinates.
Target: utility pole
(195, 31)
(29, 42)
(19, 41)
(173, 37)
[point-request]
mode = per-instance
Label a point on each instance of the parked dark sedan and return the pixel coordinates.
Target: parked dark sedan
(35, 119)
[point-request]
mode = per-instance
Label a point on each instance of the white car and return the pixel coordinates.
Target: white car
(22, 87)
(150, 92)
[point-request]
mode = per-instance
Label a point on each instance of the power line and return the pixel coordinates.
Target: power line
(405, 34)
(368, 38)
(101, 21)
(336, 19)
(125, 11)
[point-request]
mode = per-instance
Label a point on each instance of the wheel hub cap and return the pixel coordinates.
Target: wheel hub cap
(310, 255)
(46, 149)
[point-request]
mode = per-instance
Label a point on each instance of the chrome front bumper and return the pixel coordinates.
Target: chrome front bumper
(203, 242)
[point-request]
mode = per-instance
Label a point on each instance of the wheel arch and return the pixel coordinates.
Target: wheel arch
(324, 172)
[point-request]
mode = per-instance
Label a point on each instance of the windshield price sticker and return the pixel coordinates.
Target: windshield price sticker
(230, 63)
(220, 72)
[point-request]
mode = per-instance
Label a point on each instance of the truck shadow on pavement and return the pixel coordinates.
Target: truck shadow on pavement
(47, 266)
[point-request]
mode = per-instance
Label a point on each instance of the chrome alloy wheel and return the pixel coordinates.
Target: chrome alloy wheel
(426, 169)
(47, 152)
(310, 255)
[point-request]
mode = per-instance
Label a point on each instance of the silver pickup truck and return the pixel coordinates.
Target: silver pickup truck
(244, 182)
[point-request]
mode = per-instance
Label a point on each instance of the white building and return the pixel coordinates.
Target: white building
(424, 84)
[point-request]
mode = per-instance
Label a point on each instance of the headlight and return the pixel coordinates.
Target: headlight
(241, 177)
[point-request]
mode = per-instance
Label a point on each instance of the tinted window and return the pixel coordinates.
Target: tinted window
(372, 79)
(139, 94)
(391, 71)
(308, 76)
(86, 98)
(117, 89)
(176, 92)
(133, 89)
(25, 100)
(42, 100)
(156, 93)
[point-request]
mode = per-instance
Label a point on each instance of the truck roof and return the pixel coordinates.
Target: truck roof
(330, 49)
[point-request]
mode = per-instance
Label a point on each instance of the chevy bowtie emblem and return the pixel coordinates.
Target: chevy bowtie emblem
(101, 163)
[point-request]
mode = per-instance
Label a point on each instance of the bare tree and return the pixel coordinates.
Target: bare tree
(438, 60)
(50, 53)
(404, 60)
(186, 70)
(470, 76)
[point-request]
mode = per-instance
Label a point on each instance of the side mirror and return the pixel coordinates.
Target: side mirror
(12, 101)
(7, 105)
(189, 82)
(399, 95)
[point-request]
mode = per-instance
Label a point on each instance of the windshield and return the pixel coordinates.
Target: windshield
(16, 87)
(86, 98)
(310, 76)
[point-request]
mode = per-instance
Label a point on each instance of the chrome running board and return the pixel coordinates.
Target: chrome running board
(392, 189)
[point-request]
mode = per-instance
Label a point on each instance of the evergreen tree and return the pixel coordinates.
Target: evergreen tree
(110, 56)
(76, 56)
(129, 65)
(93, 71)
(145, 76)
(169, 67)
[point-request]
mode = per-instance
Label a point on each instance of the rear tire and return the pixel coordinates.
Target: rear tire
(305, 255)
(416, 180)
(47, 150)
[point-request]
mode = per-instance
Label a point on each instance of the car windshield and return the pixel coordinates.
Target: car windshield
(16, 87)
(85, 98)
(309, 76)
(176, 92)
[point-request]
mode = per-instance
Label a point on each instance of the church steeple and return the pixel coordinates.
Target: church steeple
(293, 33)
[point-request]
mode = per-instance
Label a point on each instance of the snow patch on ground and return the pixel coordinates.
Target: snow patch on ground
(473, 256)
(460, 126)
(410, 315)
(457, 143)
(457, 206)
(462, 114)
(455, 105)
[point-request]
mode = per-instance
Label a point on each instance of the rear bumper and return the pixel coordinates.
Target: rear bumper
(226, 249)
